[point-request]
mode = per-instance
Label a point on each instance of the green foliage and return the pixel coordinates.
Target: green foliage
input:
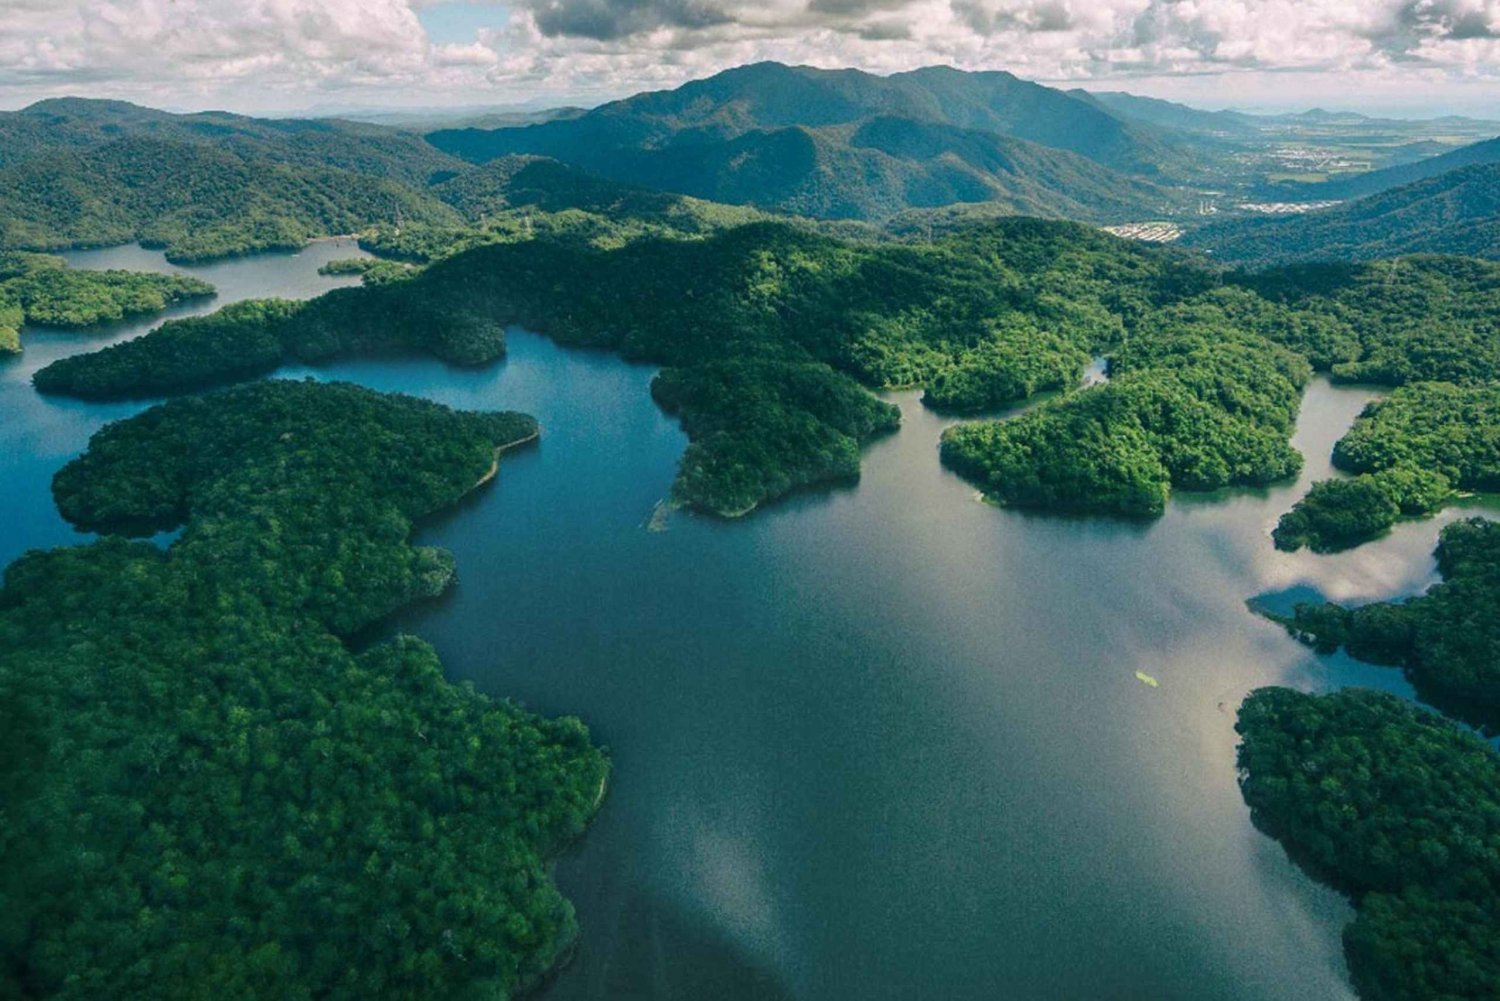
(1408, 320)
(42, 290)
(205, 792)
(254, 336)
(1402, 810)
(767, 293)
(1398, 808)
(1188, 406)
(1412, 450)
(1337, 514)
(1453, 431)
(1447, 640)
(763, 429)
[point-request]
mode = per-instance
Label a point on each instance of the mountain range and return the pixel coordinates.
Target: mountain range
(849, 144)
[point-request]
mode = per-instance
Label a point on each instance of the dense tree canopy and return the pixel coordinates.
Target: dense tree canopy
(1197, 409)
(1401, 809)
(957, 315)
(206, 793)
(1411, 451)
(42, 290)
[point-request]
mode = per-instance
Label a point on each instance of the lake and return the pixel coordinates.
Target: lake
(883, 741)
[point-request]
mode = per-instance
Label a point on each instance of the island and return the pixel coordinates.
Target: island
(1411, 453)
(1398, 808)
(42, 290)
(209, 791)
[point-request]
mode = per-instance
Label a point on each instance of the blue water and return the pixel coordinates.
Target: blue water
(880, 742)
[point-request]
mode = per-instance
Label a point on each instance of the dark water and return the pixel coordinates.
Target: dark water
(882, 742)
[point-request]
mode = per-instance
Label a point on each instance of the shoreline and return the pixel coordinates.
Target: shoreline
(494, 470)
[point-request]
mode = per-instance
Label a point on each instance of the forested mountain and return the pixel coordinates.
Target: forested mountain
(77, 172)
(1453, 213)
(850, 144)
(91, 173)
(1170, 114)
(196, 201)
(78, 123)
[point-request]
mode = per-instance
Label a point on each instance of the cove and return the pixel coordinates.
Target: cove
(879, 742)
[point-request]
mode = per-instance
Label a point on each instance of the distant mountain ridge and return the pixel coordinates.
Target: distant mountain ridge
(849, 144)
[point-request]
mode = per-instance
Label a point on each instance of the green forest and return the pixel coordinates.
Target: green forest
(1411, 452)
(206, 792)
(1207, 367)
(1397, 807)
(1446, 640)
(42, 290)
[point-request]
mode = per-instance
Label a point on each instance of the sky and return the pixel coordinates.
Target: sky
(1409, 57)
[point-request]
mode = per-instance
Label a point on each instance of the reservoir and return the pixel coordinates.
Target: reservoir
(878, 742)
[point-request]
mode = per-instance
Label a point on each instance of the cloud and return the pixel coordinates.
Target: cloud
(291, 52)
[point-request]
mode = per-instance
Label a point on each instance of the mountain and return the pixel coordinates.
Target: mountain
(90, 173)
(72, 123)
(1454, 213)
(1171, 115)
(196, 201)
(848, 144)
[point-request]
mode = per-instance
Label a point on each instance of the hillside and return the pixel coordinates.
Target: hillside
(93, 173)
(847, 144)
(1454, 213)
(197, 202)
(77, 172)
(71, 123)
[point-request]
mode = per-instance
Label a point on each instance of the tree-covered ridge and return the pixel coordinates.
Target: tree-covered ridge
(518, 198)
(206, 793)
(1411, 451)
(42, 290)
(1447, 640)
(1411, 319)
(196, 202)
(1197, 408)
(1402, 810)
(254, 336)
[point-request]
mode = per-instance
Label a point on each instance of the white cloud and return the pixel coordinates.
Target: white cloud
(284, 53)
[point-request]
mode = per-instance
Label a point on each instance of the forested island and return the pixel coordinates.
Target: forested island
(207, 792)
(1400, 809)
(1410, 452)
(42, 290)
(1207, 366)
